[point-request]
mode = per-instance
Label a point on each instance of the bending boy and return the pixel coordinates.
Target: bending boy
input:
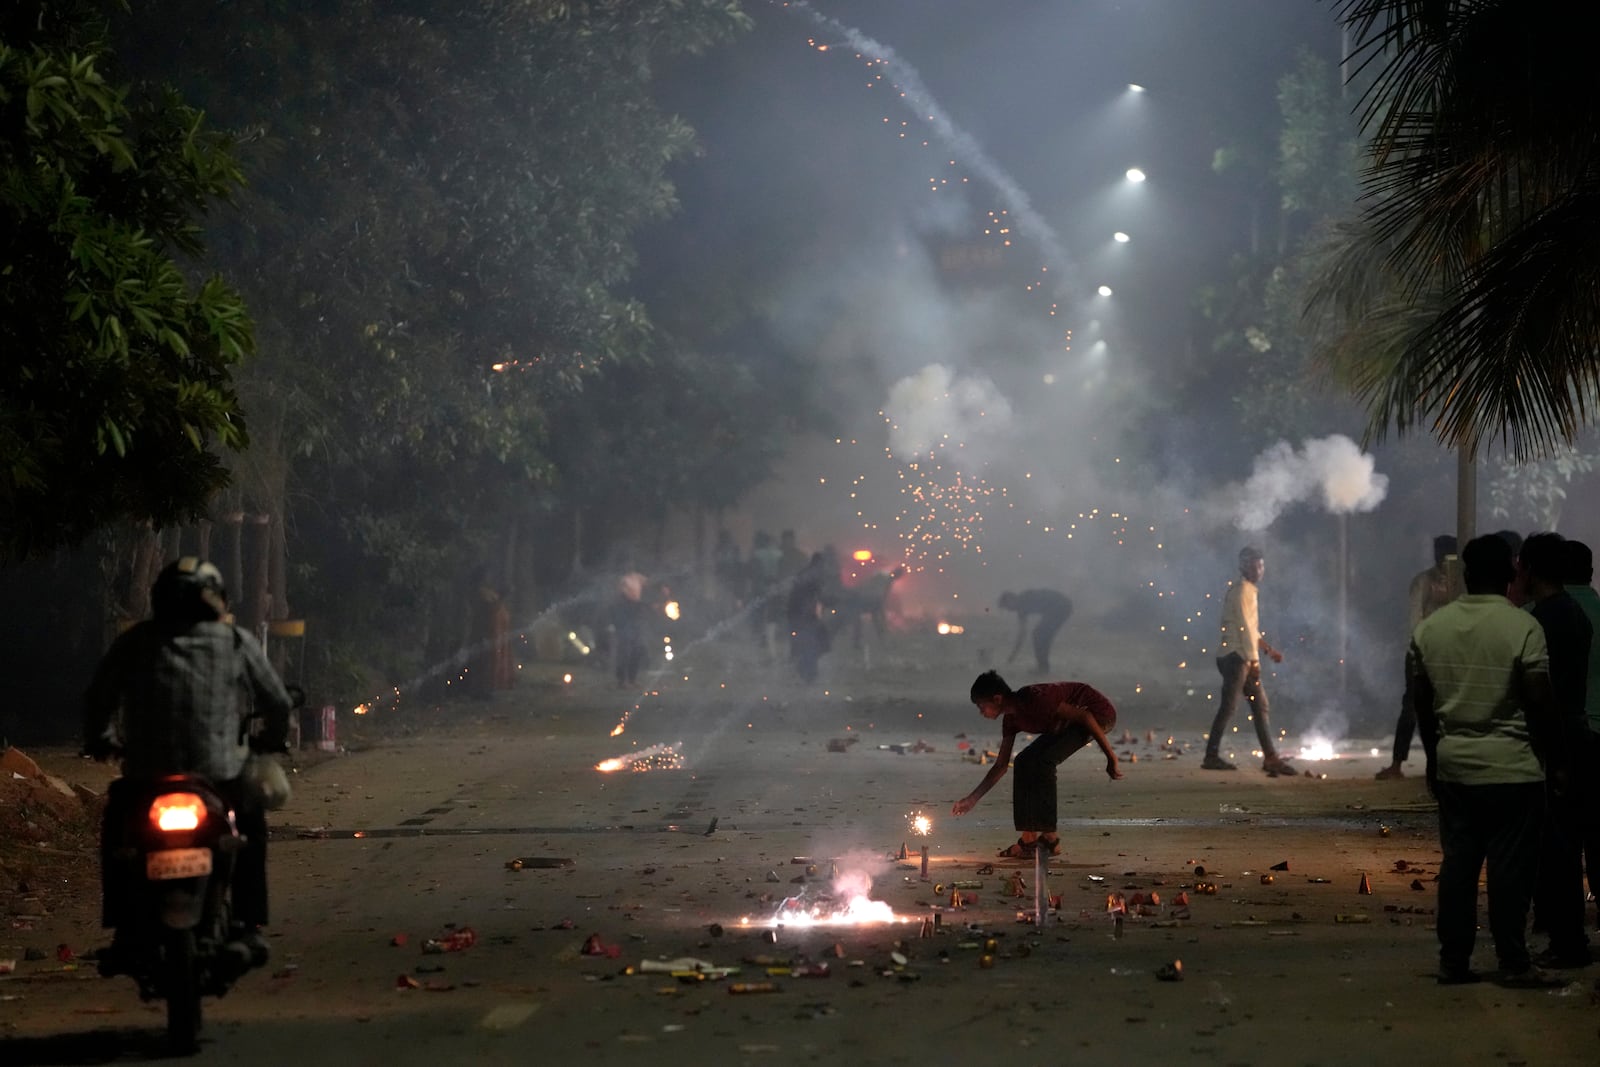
(1065, 716)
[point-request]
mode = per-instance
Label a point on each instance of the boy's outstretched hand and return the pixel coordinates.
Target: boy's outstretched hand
(964, 805)
(1112, 770)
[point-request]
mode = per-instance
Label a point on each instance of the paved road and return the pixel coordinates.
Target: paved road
(413, 833)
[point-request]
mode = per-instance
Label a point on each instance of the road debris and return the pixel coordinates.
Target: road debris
(593, 946)
(454, 941)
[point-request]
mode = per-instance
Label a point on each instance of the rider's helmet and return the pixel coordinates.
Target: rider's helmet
(189, 590)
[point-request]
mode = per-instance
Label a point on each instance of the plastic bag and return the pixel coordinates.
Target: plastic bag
(265, 775)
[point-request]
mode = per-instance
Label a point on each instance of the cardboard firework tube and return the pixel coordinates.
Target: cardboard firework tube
(924, 863)
(1041, 896)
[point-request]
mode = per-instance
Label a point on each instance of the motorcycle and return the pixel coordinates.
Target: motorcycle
(171, 846)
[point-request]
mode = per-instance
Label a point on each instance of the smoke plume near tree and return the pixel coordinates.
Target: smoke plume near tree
(1330, 471)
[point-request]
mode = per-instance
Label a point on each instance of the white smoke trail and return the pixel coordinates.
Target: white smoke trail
(921, 102)
(935, 406)
(1333, 468)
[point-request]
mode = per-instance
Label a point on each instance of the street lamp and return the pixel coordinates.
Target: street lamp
(1135, 175)
(1135, 87)
(1120, 237)
(1104, 290)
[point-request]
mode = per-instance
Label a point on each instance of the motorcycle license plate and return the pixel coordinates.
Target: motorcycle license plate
(177, 863)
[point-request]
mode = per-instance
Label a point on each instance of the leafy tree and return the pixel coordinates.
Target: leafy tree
(436, 243)
(117, 381)
(1466, 289)
(1536, 491)
(1251, 323)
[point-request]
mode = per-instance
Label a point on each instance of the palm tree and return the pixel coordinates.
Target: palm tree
(1465, 297)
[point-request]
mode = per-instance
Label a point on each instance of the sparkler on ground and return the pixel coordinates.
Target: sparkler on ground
(846, 903)
(661, 757)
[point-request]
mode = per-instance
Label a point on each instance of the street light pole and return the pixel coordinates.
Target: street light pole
(1344, 603)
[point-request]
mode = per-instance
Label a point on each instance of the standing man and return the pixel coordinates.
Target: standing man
(765, 560)
(1239, 662)
(791, 560)
(630, 612)
(809, 638)
(1579, 579)
(1050, 608)
(1558, 894)
(1431, 590)
(1479, 675)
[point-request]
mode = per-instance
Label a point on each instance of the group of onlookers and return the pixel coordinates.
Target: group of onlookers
(1503, 686)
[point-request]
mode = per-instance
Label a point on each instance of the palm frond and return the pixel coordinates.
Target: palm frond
(1466, 297)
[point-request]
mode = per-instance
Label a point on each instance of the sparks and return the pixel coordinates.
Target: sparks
(654, 758)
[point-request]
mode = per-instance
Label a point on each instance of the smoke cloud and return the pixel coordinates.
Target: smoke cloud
(937, 407)
(1333, 469)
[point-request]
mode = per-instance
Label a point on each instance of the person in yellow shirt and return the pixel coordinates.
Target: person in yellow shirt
(1430, 590)
(1239, 655)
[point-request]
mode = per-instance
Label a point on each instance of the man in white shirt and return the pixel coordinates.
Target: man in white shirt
(1239, 662)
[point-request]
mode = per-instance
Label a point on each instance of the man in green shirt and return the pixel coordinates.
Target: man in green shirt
(1479, 674)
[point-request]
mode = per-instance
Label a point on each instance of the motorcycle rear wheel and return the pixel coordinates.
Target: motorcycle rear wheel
(182, 989)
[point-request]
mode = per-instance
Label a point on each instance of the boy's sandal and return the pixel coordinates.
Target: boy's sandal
(1017, 850)
(1052, 848)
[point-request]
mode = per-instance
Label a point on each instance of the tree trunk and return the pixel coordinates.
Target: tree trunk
(507, 579)
(146, 565)
(233, 565)
(171, 545)
(277, 569)
(528, 576)
(258, 549)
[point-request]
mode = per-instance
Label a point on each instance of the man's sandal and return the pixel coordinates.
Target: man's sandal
(1052, 848)
(1017, 850)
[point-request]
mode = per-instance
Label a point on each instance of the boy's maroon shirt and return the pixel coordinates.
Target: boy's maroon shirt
(1036, 706)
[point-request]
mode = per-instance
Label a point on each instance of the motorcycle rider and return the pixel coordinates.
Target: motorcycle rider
(173, 695)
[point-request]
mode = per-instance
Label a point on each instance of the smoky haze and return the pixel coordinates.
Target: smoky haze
(1013, 366)
(948, 203)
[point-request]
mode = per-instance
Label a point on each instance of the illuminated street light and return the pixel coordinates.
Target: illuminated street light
(1135, 87)
(1120, 237)
(1104, 290)
(1135, 175)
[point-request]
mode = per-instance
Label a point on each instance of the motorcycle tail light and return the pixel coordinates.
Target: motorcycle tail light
(177, 811)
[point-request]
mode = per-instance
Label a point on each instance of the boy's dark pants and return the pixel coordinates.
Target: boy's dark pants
(1033, 799)
(1238, 680)
(1500, 823)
